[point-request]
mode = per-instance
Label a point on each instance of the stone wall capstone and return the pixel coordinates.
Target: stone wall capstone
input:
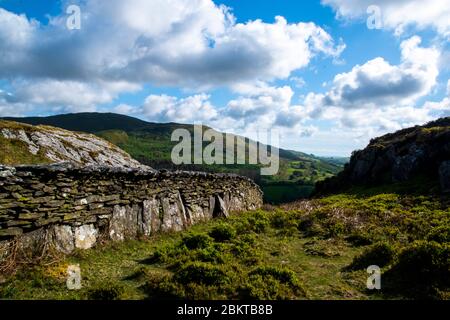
(71, 207)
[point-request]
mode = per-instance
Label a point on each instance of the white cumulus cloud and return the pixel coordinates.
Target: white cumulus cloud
(195, 44)
(378, 97)
(399, 14)
(377, 83)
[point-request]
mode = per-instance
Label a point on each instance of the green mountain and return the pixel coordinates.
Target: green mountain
(150, 143)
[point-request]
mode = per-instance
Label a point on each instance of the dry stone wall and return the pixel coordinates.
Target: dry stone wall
(68, 207)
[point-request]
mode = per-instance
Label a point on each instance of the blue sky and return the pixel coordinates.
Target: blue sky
(317, 74)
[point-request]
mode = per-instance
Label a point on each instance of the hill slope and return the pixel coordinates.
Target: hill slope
(150, 143)
(27, 144)
(418, 157)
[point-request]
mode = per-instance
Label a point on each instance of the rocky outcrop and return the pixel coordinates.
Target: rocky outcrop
(398, 157)
(67, 207)
(59, 145)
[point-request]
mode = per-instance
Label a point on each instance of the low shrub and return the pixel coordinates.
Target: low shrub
(359, 239)
(244, 249)
(223, 232)
(440, 234)
(310, 227)
(106, 291)
(284, 220)
(271, 283)
(380, 254)
(286, 223)
(196, 240)
(248, 238)
(281, 274)
(166, 253)
(424, 263)
(201, 273)
(335, 229)
(162, 286)
(209, 254)
(258, 221)
(421, 271)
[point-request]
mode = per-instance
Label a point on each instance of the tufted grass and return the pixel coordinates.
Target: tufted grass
(15, 152)
(306, 250)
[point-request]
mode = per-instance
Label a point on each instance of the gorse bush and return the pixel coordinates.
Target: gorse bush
(271, 283)
(440, 234)
(335, 229)
(360, 239)
(223, 232)
(425, 262)
(106, 291)
(281, 274)
(201, 273)
(284, 220)
(162, 286)
(380, 254)
(197, 240)
(209, 254)
(166, 253)
(422, 270)
(286, 223)
(258, 222)
(311, 227)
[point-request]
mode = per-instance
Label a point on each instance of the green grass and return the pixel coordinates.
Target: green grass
(15, 152)
(306, 250)
(164, 267)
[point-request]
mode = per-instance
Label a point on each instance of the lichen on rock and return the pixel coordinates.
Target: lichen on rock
(59, 145)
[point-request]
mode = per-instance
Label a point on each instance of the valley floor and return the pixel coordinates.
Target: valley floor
(317, 249)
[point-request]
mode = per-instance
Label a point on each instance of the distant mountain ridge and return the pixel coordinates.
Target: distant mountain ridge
(91, 122)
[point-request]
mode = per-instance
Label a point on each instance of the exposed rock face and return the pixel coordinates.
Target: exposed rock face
(398, 157)
(63, 238)
(59, 145)
(85, 236)
(70, 207)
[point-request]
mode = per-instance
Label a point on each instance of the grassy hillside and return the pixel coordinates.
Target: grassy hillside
(316, 249)
(313, 249)
(150, 144)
